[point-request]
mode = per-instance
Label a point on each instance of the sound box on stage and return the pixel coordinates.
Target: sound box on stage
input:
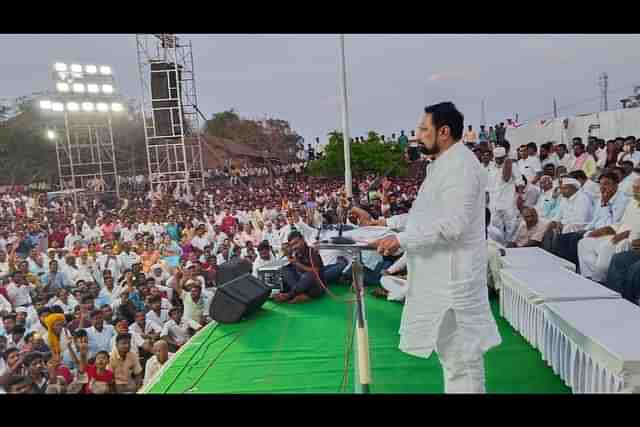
(231, 270)
(239, 298)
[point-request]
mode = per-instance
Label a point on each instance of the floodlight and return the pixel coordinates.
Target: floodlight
(73, 106)
(116, 107)
(57, 106)
(59, 66)
(76, 68)
(87, 106)
(62, 75)
(62, 87)
(93, 88)
(105, 70)
(45, 105)
(107, 89)
(51, 134)
(102, 107)
(91, 69)
(78, 87)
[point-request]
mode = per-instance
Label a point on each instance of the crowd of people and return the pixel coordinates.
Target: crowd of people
(96, 298)
(580, 203)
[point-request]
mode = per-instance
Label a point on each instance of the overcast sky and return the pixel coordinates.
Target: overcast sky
(390, 77)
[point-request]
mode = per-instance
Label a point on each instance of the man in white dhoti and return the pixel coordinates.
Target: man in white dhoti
(502, 194)
(446, 306)
(597, 248)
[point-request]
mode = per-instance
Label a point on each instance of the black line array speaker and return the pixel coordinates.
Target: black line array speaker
(165, 98)
(239, 298)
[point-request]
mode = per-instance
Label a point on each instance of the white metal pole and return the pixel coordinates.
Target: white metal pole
(345, 121)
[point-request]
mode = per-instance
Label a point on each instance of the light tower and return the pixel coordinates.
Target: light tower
(170, 110)
(81, 110)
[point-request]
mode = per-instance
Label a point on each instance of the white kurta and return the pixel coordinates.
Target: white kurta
(444, 239)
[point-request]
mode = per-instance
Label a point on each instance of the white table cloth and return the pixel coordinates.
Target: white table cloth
(524, 290)
(524, 259)
(534, 258)
(593, 345)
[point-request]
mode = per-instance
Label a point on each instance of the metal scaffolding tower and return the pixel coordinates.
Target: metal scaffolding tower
(169, 110)
(80, 113)
(86, 154)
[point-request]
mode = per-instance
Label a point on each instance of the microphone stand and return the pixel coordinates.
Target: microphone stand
(340, 240)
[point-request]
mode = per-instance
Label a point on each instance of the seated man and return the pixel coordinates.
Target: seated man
(530, 231)
(623, 275)
(548, 202)
(609, 209)
(265, 257)
(595, 252)
(303, 275)
(394, 281)
(574, 214)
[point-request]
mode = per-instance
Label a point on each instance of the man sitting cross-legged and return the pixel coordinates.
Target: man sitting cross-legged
(610, 206)
(302, 276)
(595, 252)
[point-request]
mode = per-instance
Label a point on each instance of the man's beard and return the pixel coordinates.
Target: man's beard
(433, 150)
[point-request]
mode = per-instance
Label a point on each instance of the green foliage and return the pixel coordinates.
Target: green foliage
(26, 155)
(370, 157)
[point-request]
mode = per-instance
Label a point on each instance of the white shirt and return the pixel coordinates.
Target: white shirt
(5, 305)
(529, 167)
(574, 213)
(20, 295)
(502, 195)
(259, 262)
(530, 195)
(630, 220)
(626, 186)
(200, 242)
(152, 367)
(179, 333)
(101, 341)
(567, 161)
(156, 322)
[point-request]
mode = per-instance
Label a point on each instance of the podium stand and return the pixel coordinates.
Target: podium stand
(362, 370)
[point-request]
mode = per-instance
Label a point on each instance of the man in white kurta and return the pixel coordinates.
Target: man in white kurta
(447, 304)
(595, 251)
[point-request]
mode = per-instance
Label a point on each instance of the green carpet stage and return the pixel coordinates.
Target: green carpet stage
(307, 348)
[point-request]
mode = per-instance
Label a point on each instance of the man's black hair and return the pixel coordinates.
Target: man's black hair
(626, 162)
(579, 175)
(263, 245)
(18, 330)
(8, 352)
(532, 145)
(9, 316)
(122, 337)
(446, 114)
(612, 176)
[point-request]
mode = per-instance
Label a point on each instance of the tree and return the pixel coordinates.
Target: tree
(272, 135)
(370, 157)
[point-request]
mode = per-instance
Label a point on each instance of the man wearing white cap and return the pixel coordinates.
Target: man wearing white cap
(502, 194)
(575, 208)
(595, 253)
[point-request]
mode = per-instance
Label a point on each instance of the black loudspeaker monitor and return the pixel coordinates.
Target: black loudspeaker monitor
(238, 299)
(231, 270)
